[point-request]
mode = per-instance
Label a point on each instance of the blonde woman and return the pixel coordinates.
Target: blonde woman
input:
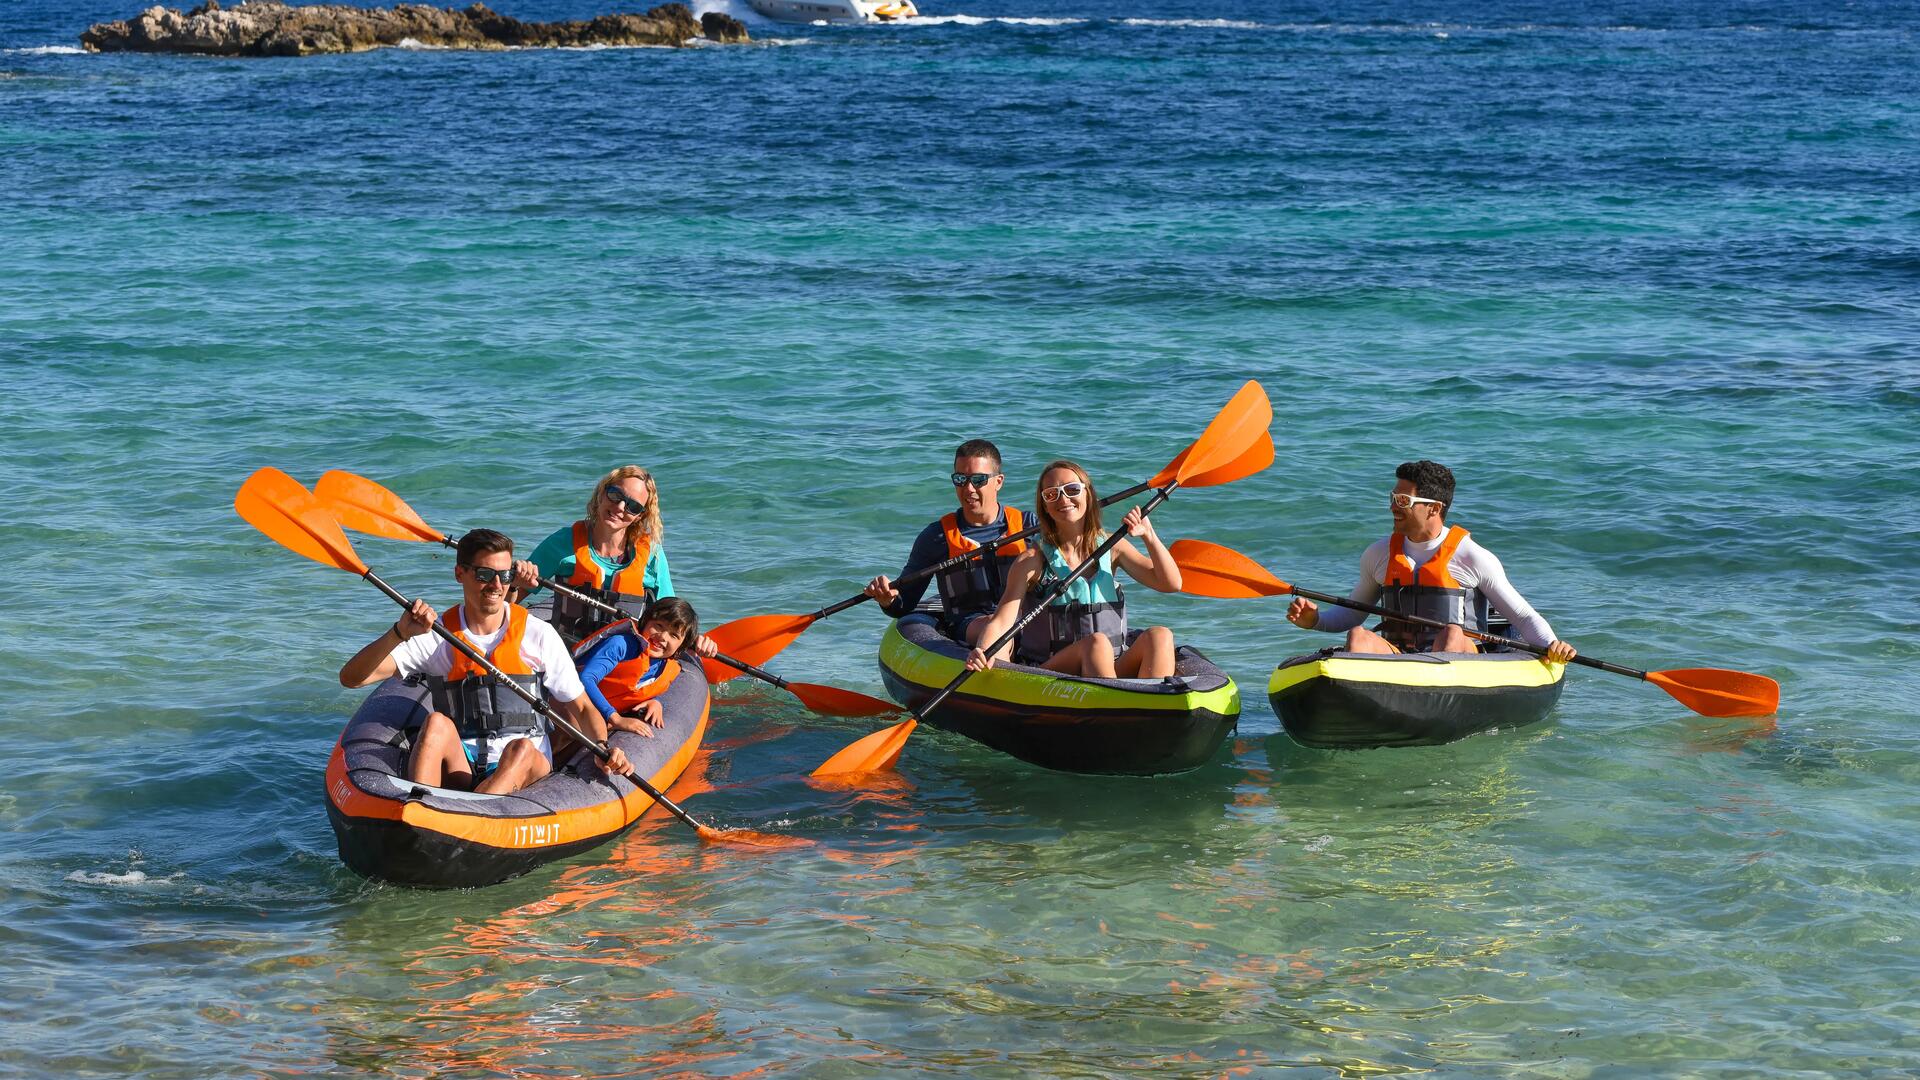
(1084, 630)
(614, 555)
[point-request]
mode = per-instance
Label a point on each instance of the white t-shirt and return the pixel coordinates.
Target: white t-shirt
(1472, 566)
(541, 646)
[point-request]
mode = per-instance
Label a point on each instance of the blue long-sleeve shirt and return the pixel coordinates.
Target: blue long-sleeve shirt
(610, 653)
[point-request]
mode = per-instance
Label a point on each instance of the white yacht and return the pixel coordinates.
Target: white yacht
(834, 11)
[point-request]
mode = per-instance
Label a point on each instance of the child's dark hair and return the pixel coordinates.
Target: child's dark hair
(675, 614)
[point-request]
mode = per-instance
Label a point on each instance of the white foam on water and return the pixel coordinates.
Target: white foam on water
(983, 20)
(48, 50)
(598, 46)
(128, 879)
(1207, 24)
(415, 43)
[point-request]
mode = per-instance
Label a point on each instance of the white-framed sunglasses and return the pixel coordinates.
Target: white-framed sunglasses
(1400, 500)
(1072, 489)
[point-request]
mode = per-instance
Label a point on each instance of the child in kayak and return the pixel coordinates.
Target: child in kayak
(1084, 630)
(627, 668)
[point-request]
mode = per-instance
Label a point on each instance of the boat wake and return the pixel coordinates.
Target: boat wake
(985, 20)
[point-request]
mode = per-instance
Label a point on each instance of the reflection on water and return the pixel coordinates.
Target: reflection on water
(1210, 911)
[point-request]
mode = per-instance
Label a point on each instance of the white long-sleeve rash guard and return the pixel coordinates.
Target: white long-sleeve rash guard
(1473, 567)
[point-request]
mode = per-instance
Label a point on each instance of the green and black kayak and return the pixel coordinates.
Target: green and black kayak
(1337, 700)
(1140, 727)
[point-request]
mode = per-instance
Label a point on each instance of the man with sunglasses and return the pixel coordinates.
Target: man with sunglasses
(971, 590)
(1429, 569)
(481, 735)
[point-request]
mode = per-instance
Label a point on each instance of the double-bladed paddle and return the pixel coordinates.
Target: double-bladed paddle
(364, 506)
(768, 634)
(295, 518)
(1236, 433)
(1211, 570)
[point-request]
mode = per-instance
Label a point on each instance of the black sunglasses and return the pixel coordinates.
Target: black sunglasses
(487, 575)
(619, 498)
(977, 479)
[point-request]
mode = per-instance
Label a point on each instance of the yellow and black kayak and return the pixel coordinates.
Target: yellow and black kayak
(1139, 727)
(1337, 700)
(391, 829)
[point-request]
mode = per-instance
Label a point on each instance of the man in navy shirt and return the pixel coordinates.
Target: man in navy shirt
(973, 588)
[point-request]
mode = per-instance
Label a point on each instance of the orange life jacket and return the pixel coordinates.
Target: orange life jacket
(488, 714)
(506, 652)
(1430, 592)
(957, 542)
(627, 591)
(630, 579)
(623, 688)
(975, 586)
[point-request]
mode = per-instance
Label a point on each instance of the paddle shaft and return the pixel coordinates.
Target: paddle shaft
(977, 553)
(539, 706)
(738, 665)
(1493, 639)
(758, 673)
(559, 588)
(1053, 594)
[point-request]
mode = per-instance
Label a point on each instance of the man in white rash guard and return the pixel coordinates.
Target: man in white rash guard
(1430, 569)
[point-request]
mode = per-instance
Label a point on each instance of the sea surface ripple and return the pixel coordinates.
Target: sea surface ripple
(1645, 275)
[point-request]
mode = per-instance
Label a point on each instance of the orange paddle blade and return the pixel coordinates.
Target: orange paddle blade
(1211, 570)
(755, 639)
(833, 701)
(366, 507)
(1718, 692)
(277, 505)
(874, 753)
(750, 838)
(1235, 429)
(1257, 457)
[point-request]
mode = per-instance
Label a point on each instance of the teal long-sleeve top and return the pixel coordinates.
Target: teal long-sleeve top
(554, 559)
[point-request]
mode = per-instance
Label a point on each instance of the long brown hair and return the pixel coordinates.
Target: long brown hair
(1051, 529)
(647, 524)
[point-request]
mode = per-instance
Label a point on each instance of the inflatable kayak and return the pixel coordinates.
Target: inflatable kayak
(393, 830)
(1073, 724)
(1338, 700)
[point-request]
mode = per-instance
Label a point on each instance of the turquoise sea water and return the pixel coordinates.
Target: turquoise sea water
(1643, 275)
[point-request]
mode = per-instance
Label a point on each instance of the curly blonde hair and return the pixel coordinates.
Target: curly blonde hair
(1049, 528)
(647, 524)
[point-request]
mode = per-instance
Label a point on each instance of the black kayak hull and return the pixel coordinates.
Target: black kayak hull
(1335, 700)
(1135, 727)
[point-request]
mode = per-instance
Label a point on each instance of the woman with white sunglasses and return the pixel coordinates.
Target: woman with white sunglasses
(1433, 570)
(1084, 630)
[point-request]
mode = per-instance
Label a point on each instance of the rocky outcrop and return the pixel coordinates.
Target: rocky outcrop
(718, 26)
(271, 28)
